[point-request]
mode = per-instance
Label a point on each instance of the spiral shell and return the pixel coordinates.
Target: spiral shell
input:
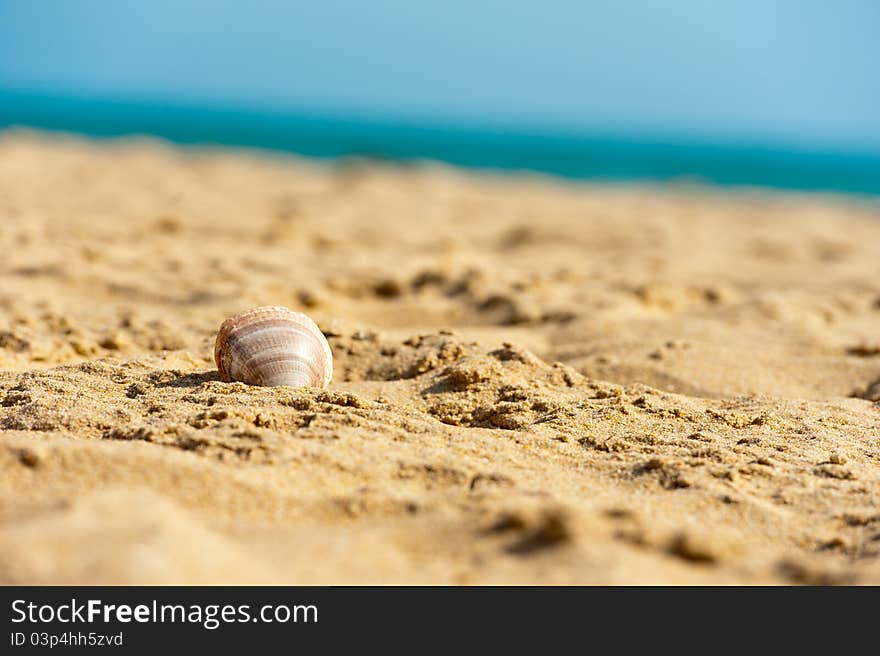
(273, 346)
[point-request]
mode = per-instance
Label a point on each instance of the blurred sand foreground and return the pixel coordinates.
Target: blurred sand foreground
(536, 382)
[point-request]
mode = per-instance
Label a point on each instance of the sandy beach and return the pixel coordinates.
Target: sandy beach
(536, 381)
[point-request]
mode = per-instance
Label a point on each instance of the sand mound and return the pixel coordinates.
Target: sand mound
(534, 382)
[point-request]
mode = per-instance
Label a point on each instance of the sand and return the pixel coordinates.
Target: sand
(536, 381)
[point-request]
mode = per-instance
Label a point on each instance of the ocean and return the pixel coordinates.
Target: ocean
(574, 156)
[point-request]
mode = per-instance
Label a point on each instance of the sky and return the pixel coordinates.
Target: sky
(802, 73)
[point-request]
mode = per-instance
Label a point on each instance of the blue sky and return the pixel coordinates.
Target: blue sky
(782, 73)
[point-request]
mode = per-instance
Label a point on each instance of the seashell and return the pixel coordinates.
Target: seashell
(273, 346)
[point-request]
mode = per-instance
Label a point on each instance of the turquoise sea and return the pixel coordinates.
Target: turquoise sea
(577, 156)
